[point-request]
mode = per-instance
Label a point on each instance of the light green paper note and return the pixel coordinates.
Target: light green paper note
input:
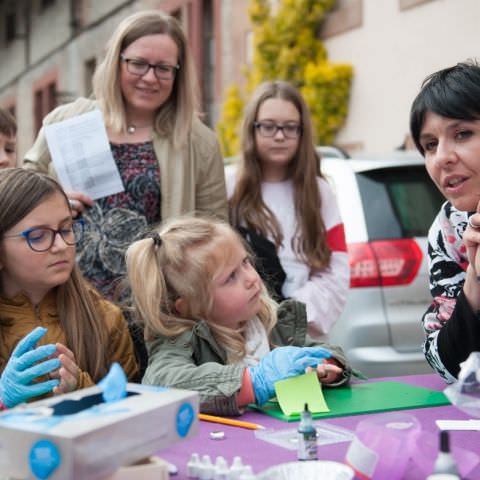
(293, 393)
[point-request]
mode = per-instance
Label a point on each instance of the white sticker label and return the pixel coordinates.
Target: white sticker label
(362, 459)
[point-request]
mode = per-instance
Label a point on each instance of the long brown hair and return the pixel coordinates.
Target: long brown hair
(85, 329)
(246, 204)
(191, 253)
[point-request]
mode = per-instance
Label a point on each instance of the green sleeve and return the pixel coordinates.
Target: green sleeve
(171, 364)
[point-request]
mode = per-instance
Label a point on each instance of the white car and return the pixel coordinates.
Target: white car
(387, 203)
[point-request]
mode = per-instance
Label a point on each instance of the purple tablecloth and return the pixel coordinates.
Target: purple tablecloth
(261, 454)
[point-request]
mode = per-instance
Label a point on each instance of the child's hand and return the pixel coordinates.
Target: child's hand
(281, 363)
(328, 372)
(68, 373)
(26, 364)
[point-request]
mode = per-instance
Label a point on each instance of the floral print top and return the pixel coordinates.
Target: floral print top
(114, 222)
(447, 265)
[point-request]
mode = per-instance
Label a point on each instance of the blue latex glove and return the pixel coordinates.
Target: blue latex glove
(114, 384)
(281, 363)
(22, 368)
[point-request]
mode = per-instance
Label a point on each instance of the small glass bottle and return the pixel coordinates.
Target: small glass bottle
(307, 436)
(445, 462)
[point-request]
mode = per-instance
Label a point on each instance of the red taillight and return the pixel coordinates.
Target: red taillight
(384, 262)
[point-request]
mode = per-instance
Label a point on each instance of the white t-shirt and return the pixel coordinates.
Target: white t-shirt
(323, 292)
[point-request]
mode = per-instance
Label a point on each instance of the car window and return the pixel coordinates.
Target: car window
(398, 202)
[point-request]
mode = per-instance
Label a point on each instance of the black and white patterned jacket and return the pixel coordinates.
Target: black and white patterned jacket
(452, 329)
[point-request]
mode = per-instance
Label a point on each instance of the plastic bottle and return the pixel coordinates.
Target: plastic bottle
(247, 473)
(206, 469)
(221, 469)
(445, 462)
(307, 436)
(236, 468)
(193, 465)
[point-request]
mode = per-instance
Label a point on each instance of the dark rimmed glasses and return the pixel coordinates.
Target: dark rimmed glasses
(139, 67)
(270, 129)
(41, 239)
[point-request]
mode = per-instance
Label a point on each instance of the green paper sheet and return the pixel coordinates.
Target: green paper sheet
(370, 397)
(293, 393)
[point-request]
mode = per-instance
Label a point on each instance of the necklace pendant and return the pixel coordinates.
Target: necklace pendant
(131, 129)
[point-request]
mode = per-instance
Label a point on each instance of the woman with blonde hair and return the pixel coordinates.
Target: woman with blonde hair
(286, 210)
(209, 323)
(169, 161)
(44, 299)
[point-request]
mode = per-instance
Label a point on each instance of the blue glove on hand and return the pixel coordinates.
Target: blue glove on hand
(22, 367)
(281, 363)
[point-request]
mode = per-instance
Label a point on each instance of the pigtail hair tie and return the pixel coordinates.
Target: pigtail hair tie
(157, 240)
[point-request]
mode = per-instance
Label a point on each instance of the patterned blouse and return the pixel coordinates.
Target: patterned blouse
(452, 329)
(114, 222)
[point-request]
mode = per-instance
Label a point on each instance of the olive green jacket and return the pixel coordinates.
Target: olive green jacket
(195, 361)
(192, 177)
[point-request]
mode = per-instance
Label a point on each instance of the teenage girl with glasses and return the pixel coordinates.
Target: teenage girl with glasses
(57, 333)
(286, 210)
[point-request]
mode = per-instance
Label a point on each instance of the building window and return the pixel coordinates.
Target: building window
(45, 100)
(10, 20)
(208, 61)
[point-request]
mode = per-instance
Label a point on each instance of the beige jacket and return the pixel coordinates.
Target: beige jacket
(192, 177)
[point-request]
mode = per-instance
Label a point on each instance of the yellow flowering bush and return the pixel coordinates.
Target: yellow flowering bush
(287, 47)
(227, 129)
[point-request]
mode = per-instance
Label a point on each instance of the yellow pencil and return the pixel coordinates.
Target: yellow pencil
(229, 421)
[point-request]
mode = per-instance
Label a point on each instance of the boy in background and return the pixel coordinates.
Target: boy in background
(8, 139)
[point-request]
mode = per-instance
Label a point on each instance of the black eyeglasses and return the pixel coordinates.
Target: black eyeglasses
(41, 239)
(140, 67)
(270, 129)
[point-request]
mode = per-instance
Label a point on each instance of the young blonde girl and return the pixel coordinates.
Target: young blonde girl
(44, 299)
(209, 324)
(285, 208)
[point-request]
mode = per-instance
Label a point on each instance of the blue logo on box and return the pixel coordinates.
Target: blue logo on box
(185, 416)
(44, 459)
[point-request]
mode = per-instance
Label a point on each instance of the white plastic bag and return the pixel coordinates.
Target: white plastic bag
(465, 392)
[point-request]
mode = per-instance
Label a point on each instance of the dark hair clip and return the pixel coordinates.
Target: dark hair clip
(157, 240)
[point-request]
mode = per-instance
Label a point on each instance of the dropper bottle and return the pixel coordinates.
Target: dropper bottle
(445, 466)
(307, 436)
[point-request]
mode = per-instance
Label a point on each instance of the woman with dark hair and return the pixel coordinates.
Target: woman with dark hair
(445, 126)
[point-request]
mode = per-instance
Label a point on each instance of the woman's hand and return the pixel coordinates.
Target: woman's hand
(471, 239)
(79, 202)
(329, 371)
(68, 373)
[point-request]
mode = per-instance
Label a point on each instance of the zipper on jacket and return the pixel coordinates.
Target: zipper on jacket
(36, 310)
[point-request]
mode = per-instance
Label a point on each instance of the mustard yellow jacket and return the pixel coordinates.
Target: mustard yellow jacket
(192, 177)
(18, 317)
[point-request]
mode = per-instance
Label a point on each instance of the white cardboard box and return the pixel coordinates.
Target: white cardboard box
(45, 440)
